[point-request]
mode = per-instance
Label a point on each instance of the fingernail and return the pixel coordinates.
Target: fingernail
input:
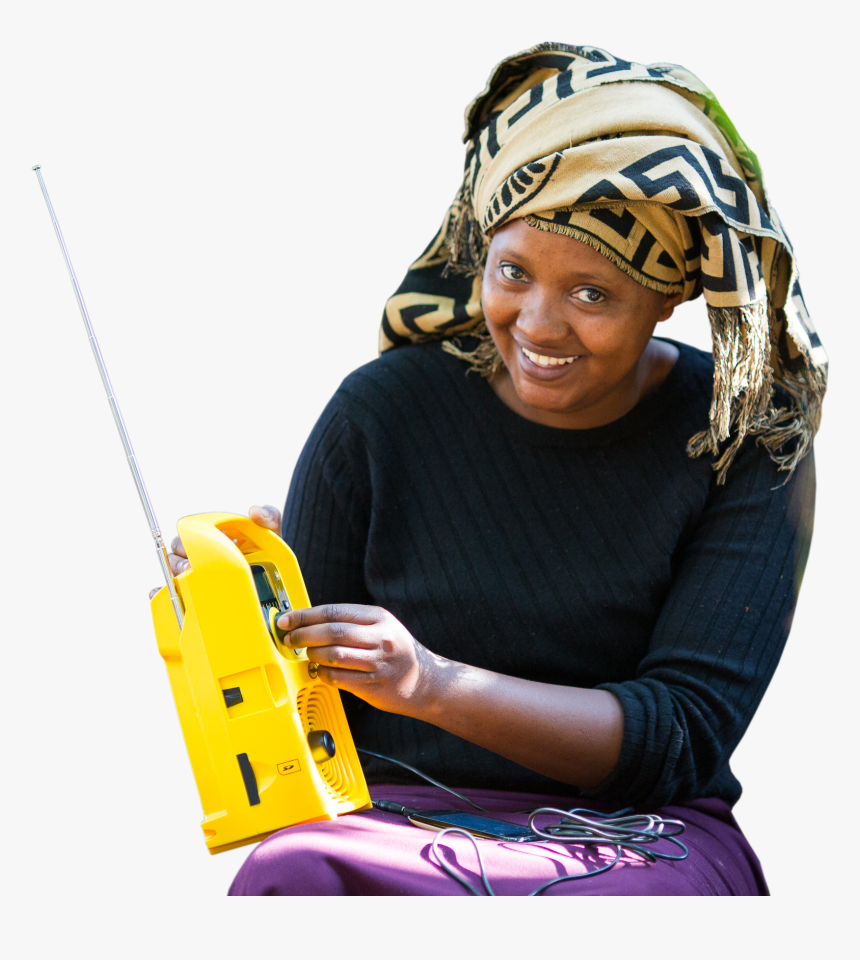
(266, 514)
(183, 565)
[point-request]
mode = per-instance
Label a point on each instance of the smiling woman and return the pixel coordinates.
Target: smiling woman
(551, 303)
(556, 557)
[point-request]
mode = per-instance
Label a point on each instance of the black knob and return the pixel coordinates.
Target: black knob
(321, 743)
(274, 629)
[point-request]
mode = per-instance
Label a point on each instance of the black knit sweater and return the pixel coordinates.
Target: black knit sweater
(593, 558)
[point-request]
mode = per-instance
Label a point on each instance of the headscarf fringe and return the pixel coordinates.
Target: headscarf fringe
(799, 421)
(467, 245)
(485, 359)
(742, 402)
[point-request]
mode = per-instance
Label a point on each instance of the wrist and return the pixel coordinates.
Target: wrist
(436, 675)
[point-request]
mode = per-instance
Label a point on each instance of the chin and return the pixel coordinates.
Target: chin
(544, 397)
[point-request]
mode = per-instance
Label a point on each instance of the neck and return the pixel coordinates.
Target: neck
(653, 367)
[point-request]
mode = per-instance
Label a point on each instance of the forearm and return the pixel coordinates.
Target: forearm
(570, 734)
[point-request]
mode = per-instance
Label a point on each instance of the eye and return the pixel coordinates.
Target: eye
(589, 295)
(510, 271)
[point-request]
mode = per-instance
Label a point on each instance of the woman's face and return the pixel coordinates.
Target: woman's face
(574, 330)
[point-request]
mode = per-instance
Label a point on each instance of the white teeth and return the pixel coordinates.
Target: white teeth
(544, 361)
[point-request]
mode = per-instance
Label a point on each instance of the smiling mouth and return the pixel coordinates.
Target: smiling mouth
(544, 361)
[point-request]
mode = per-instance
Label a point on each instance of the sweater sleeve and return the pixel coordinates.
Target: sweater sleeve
(327, 512)
(719, 636)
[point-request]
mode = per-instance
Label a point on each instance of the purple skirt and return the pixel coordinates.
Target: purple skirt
(382, 854)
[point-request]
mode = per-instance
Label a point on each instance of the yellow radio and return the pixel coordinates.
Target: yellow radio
(268, 742)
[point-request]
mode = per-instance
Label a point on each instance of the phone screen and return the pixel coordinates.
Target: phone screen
(473, 823)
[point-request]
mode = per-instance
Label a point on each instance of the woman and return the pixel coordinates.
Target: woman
(573, 574)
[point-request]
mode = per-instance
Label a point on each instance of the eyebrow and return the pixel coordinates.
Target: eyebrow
(506, 251)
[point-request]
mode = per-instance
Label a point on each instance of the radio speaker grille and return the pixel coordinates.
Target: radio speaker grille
(318, 710)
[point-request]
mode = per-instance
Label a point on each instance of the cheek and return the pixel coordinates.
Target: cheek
(493, 304)
(616, 333)
(500, 312)
(603, 334)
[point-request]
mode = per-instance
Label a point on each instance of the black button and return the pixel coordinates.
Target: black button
(232, 696)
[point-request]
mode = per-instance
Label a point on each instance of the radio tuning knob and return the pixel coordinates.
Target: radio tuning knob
(321, 743)
(277, 633)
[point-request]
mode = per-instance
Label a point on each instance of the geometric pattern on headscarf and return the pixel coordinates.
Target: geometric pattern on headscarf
(640, 162)
(628, 235)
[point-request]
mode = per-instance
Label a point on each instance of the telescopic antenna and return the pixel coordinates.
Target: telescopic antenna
(117, 416)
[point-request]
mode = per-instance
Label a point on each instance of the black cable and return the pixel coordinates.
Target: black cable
(434, 850)
(620, 830)
(579, 876)
(391, 806)
(450, 870)
(623, 830)
(423, 776)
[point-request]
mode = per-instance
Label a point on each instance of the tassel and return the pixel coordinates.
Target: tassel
(742, 402)
(485, 359)
(467, 245)
(800, 420)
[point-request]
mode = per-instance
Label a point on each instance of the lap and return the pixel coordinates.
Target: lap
(382, 854)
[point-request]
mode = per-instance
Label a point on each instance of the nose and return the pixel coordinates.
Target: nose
(541, 320)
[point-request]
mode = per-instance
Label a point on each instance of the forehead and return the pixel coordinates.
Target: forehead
(540, 250)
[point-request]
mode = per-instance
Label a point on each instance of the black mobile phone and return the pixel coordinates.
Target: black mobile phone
(473, 823)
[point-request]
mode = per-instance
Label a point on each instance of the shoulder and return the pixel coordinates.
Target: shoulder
(694, 382)
(387, 407)
(380, 398)
(403, 381)
(694, 371)
(427, 361)
(754, 480)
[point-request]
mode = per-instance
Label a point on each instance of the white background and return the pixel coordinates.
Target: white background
(241, 187)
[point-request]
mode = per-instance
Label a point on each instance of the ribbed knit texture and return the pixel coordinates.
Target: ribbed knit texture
(593, 558)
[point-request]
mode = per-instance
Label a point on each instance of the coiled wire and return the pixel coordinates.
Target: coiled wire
(624, 830)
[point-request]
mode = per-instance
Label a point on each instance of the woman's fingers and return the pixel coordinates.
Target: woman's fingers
(329, 634)
(330, 613)
(343, 658)
(177, 563)
(267, 516)
(343, 639)
(362, 649)
(178, 560)
(177, 548)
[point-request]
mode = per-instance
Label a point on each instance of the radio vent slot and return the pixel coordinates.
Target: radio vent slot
(318, 710)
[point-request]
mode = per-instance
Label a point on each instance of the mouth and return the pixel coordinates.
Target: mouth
(543, 360)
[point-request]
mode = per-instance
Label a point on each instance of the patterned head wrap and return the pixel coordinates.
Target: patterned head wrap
(641, 163)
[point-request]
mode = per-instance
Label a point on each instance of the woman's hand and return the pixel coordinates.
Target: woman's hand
(567, 733)
(268, 517)
(366, 651)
